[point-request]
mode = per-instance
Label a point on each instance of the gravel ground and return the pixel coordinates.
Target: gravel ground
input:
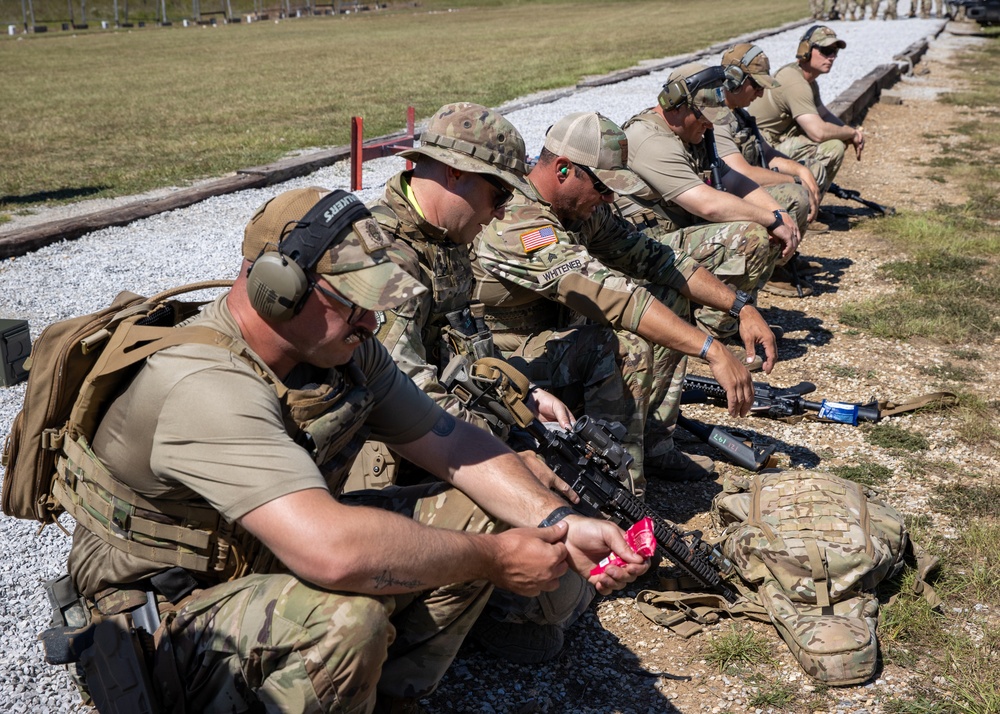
(612, 642)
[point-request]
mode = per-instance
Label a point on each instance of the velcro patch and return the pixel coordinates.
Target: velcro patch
(558, 271)
(371, 235)
(538, 238)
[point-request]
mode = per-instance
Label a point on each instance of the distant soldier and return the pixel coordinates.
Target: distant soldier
(890, 10)
(793, 118)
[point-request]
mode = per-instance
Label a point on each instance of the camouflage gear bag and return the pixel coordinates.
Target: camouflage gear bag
(808, 549)
(815, 546)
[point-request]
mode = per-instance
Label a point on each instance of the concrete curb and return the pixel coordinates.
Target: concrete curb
(851, 104)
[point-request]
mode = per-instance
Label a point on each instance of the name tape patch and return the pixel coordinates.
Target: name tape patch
(561, 269)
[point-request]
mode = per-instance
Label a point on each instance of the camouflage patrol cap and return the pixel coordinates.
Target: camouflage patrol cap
(471, 137)
(752, 61)
(359, 265)
(697, 84)
(594, 141)
(823, 36)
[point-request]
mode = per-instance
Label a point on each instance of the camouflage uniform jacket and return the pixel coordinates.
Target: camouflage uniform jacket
(529, 265)
(412, 331)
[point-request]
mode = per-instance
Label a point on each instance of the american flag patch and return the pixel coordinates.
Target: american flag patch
(538, 238)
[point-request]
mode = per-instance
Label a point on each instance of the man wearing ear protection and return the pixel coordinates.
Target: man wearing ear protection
(741, 146)
(793, 118)
(469, 162)
(564, 256)
(695, 202)
(226, 457)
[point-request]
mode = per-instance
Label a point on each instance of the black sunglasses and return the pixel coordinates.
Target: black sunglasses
(754, 83)
(503, 193)
(598, 185)
(829, 51)
(357, 312)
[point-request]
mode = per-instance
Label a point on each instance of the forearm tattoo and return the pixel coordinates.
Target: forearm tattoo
(445, 425)
(386, 580)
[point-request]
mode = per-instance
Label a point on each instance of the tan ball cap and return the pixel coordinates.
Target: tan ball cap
(752, 60)
(593, 140)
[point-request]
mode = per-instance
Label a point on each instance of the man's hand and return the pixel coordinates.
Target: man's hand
(732, 376)
(859, 141)
(787, 234)
(809, 181)
(589, 541)
(546, 476)
(548, 407)
(528, 561)
(755, 331)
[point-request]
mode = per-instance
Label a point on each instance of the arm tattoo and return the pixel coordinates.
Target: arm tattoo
(445, 425)
(386, 580)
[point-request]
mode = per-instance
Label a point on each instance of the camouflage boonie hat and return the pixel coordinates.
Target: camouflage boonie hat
(594, 141)
(471, 137)
(752, 60)
(359, 266)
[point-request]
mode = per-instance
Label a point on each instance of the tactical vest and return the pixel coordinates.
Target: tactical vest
(446, 268)
(747, 138)
(328, 421)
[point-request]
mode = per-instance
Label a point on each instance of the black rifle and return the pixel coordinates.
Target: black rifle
(592, 460)
(780, 402)
(715, 163)
(734, 449)
(850, 195)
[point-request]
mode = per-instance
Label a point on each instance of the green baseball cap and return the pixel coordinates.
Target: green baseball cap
(359, 266)
(594, 141)
(471, 137)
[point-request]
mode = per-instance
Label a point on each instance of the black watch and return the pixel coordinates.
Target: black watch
(742, 299)
(778, 220)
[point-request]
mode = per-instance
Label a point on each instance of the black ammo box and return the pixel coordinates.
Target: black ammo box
(15, 346)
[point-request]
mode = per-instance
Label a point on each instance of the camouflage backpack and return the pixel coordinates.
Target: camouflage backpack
(809, 549)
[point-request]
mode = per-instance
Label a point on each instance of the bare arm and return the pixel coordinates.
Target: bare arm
(823, 128)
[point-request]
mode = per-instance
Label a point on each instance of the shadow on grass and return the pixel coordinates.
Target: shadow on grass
(58, 195)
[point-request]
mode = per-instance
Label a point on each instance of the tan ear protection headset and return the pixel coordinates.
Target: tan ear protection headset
(805, 46)
(735, 74)
(277, 283)
(677, 93)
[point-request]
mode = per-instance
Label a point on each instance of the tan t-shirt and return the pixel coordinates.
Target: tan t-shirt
(667, 164)
(198, 423)
(777, 110)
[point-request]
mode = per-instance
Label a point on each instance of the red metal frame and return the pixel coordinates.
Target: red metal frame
(360, 152)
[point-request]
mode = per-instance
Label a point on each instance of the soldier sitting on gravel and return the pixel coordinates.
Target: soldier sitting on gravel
(741, 146)
(299, 598)
(793, 118)
(562, 254)
(468, 164)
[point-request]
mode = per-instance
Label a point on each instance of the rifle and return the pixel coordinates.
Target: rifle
(781, 402)
(715, 163)
(730, 445)
(592, 460)
(850, 195)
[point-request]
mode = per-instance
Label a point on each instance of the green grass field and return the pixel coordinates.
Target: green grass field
(106, 113)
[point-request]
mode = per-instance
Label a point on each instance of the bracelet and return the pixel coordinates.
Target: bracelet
(704, 348)
(556, 516)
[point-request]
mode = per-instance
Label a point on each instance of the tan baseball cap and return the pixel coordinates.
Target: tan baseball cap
(360, 266)
(752, 60)
(594, 141)
(471, 137)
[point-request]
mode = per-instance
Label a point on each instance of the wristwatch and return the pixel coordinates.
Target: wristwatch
(778, 220)
(742, 299)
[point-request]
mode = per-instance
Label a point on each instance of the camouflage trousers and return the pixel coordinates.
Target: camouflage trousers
(823, 160)
(890, 10)
(596, 371)
(855, 9)
(816, 9)
(277, 643)
(739, 254)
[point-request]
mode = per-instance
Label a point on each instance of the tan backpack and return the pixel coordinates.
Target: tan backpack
(73, 376)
